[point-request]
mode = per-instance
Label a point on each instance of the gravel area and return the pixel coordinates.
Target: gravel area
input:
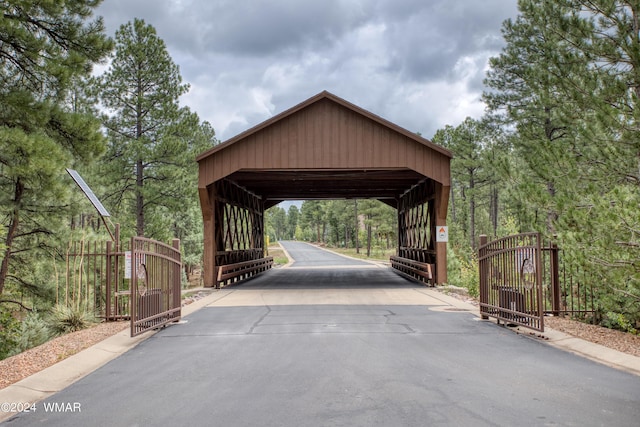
(22, 365)
(617, 340)
(15, 368)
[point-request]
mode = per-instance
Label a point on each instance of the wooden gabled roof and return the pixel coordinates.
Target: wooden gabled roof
(325, 147)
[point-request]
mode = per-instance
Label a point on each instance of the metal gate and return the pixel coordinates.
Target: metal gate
(155, 284)
(511, 280)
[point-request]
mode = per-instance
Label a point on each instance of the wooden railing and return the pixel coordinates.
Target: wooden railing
(415, 270)
(234, 273)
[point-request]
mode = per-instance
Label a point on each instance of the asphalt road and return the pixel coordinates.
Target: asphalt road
(306, 255)
(342, 347)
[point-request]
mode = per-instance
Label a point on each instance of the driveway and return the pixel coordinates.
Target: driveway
(347, 346)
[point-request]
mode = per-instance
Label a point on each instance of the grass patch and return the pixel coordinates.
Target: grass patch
(377, 254)
(279, 257)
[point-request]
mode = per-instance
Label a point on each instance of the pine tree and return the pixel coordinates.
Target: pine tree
(293, 215)
(469, 171)
(568, 83)
(148, 131)
(312, 215)
(44, 48)
(526, 89)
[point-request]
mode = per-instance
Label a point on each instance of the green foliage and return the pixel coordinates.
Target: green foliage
(33, 331)
(478, 169)
(45, 48)
(334, 222)
(9, 327)
(566, 86)
(313, 216)
(276, 224)
(293, 215)
(149, 175)
(619, 321)
(65, 319)
(462, 269)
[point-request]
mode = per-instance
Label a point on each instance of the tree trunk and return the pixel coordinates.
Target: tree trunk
(12, 230)
(453, 204)
(139, 167)
(346, 236)
(139, 199)
(494, 209)
(324, 232)
(472, 211)
(369, 238)
(552, 215)
(357, 227)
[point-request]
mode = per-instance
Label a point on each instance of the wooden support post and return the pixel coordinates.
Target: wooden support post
(209, 256)
(442, 204)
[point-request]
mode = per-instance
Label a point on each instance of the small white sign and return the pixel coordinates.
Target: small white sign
(442, 233)
(127, 265)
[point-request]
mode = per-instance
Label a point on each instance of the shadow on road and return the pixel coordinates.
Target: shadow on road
(328, 278)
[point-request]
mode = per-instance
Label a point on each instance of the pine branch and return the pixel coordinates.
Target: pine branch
(10, 301)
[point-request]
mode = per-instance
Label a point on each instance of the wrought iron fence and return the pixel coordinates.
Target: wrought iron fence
(95, 279)
(155, 290)
(522, 279)
(105, 278)
(566, 293)
(511, 280)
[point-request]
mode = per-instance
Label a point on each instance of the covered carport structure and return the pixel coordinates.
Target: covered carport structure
(323, 148)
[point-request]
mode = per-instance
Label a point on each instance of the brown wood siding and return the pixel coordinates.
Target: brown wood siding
(325, 135)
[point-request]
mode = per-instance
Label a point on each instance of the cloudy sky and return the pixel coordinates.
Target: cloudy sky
(417, 63)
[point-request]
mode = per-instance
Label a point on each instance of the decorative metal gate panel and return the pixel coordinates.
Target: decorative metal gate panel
(155, 284)
(511, 280)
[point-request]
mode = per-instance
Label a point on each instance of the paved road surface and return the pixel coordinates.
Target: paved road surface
(343, 347)
(307, 255)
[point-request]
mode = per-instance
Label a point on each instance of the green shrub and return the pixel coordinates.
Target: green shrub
(9, 327)
(66, 319)
(33, 332)
(618, 321)
(462, 268)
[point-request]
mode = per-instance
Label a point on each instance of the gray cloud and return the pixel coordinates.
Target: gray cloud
(417, 63)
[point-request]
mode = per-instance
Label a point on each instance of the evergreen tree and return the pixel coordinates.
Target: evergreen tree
(604, 225)
(469, 142)
(148, 132)
(276, 222)
(292, 221)
(568, 84)
(525, 82)
(44, 48)
(312, 215)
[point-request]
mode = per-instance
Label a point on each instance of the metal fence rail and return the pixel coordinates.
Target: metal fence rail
(414, 270)
(234, 273)
(522, 279)
(137, 280)
(155, 284)
(83, 285)
(511, 280)
(94, 279)
(566, 293)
